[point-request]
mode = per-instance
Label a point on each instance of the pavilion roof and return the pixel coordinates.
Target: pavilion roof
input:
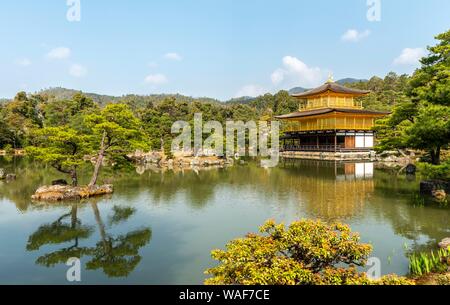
(330, 110)
(333, 87)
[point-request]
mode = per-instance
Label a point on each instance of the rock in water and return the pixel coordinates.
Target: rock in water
(439, 195)
(445, 243)
(65, 192)
(100, 190)
(427, 187)
(10, 177)
(5, 176)
(411, 169)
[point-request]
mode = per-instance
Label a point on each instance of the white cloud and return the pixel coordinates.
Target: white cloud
(296, 73)
(156, 79)
(152, 64)
(23, 62)
(173, 56)
(251, 90)
(77, 70)
(354, 35)
(410, 56)
(59, 53)
(277, 76)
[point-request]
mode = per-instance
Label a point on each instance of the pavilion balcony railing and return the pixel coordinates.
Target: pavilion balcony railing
(328, 125)
(332, 105)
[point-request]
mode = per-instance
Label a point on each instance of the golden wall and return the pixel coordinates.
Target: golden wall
(327, 101)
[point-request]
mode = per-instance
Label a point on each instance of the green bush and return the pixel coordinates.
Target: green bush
(306, 253)
(430, 171)
(9, 149)
(425, 263)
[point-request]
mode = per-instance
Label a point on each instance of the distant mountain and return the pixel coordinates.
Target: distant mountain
(343, 81)
(297, 90)
(59, 93)
(241, 100)
(351, 81)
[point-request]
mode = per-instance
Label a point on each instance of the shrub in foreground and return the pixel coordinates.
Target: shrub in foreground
(425, 263)
(305, 253)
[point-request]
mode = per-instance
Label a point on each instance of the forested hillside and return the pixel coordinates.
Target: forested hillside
(58, 107)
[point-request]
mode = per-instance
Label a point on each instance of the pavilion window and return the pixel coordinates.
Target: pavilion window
(332, 101)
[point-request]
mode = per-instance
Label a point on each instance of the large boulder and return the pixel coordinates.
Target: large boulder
(428, 187)
(65, 192)
(445, 243)
(2, 174)
(195, 162)
(153, 158)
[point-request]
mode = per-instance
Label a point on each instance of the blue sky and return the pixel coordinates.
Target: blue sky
(220, 48)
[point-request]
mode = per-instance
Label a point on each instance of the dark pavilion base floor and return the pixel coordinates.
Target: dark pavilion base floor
(324, 148)
(343, 155)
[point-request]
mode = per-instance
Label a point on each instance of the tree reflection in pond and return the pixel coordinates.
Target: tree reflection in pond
(60, 232)
(116, 256)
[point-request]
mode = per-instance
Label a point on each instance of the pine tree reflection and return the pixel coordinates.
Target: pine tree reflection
(60, 232)
(116, 256)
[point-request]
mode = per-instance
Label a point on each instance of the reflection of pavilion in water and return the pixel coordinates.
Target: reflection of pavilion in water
(332, 190)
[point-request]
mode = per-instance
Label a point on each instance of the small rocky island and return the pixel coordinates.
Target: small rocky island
(66, 192)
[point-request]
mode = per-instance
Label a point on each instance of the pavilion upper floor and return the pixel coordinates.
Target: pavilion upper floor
(331, 119)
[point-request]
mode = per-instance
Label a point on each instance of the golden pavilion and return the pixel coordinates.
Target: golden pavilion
(330, 119)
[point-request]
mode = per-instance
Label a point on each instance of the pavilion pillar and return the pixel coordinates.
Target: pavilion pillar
(335, 142)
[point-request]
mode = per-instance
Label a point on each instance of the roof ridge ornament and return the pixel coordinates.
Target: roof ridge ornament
(330, 78)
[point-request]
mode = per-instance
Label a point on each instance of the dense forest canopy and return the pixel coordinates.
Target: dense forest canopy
(63, 107)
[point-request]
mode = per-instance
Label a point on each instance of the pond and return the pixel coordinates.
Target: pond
(159, 227)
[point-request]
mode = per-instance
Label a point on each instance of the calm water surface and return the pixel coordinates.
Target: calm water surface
(159, 227)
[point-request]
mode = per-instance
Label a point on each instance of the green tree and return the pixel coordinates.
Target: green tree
(431, 83)
(422, 121)
(158, 122)
(116, 132)
(430, 91)
(68, 112)
(61, 147)
(430, 131)
(7, 136)
(20, 117)
(384, 93)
